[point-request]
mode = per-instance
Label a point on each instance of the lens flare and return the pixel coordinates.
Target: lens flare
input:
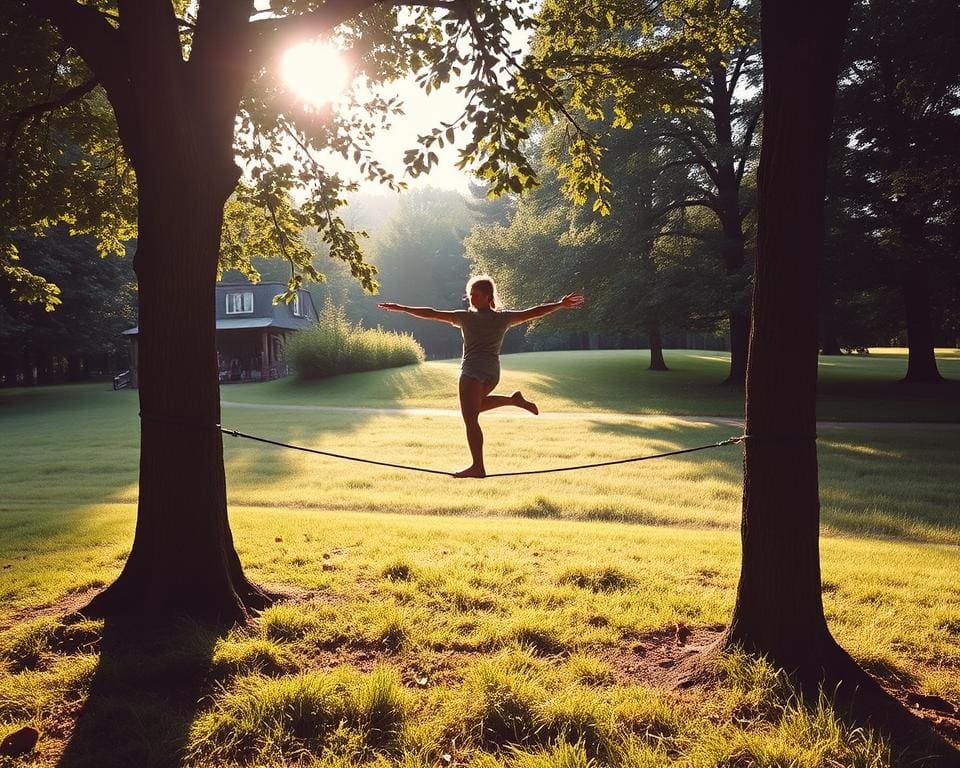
(316, 72)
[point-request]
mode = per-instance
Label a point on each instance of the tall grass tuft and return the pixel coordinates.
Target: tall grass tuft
(334, 346)
(286, 623)
(776, 727)
(561, 755)
(606, 579)
(262, 719)
(250, 655)
(23, 646)
(499, 706)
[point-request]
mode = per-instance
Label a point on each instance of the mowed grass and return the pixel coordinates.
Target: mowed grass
(850, 387)
(484, 623)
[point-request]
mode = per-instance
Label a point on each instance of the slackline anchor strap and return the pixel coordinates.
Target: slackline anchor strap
(256, 438)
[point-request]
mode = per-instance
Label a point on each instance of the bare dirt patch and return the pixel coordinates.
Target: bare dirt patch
(656, 658)
(67, 605)
(663, 659)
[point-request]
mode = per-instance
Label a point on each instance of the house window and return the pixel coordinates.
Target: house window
(295, 305)
(239, 303)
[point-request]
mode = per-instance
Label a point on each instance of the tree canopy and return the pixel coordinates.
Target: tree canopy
(894, 187)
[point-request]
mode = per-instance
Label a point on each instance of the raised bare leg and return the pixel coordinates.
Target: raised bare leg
(521, 402)
(517, 399)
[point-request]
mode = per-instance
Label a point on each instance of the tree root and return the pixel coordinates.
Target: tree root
(857, 697)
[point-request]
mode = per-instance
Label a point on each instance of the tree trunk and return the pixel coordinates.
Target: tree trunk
(178, 126)
(829, 344)
(657, 363)
(44, 367)
(921, 360)
(8, 364)
(779, 610)
(739, 345)
(75, 367)
(183, 560)
(728, 211)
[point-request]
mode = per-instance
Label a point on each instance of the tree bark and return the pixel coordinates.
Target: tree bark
(921, 360)
(779, 610)
(177, 125)
(183, 560)
(739, 345)
(657, 363)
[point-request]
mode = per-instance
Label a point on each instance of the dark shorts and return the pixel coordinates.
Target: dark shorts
(481, 371)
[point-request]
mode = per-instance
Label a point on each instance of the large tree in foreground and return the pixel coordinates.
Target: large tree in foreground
(181, 106)
(779, 610)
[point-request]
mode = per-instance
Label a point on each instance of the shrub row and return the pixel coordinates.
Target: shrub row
(334, 346)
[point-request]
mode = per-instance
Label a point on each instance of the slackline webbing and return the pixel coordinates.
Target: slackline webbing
(237, 433)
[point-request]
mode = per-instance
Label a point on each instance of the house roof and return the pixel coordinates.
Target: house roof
(236, 324)
(265, 313)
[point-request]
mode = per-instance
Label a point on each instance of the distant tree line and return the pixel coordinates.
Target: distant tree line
(82, 337)
(666, 252)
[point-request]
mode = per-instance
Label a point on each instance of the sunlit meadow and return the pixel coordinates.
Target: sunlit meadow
(438, 621)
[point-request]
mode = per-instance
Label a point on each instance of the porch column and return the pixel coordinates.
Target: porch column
(265, 355)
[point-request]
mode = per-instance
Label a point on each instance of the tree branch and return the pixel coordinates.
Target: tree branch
(267, 37)
(702, 160)
(99, 44)
(741, 60)
(747, 140)
(705, 202)
(87, 31)
(17, 119)
(697, 133)
(680, 233)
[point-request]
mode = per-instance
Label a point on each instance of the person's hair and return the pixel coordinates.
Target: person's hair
(484, 283)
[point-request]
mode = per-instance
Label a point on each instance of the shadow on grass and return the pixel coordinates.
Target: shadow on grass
(862, 397)
(891, 483)
(896, 482)
(143, 698)
(253, 465)
(913, 740)
(620, 380)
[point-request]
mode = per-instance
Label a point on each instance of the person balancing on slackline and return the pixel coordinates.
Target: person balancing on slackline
(484, 326)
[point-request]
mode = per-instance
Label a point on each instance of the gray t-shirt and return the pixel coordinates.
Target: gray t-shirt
(483, 333)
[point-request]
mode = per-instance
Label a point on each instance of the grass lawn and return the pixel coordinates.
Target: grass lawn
(851, 387)
(514, 622)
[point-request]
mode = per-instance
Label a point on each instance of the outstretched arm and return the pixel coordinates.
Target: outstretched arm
(426, 313)
(570, 301)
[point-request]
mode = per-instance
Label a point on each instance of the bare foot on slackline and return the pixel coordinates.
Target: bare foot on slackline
(471, 471)
(522, 402)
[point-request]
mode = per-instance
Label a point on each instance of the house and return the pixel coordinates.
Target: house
(252, 331)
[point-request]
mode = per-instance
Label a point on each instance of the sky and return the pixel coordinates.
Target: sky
(422, 112)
